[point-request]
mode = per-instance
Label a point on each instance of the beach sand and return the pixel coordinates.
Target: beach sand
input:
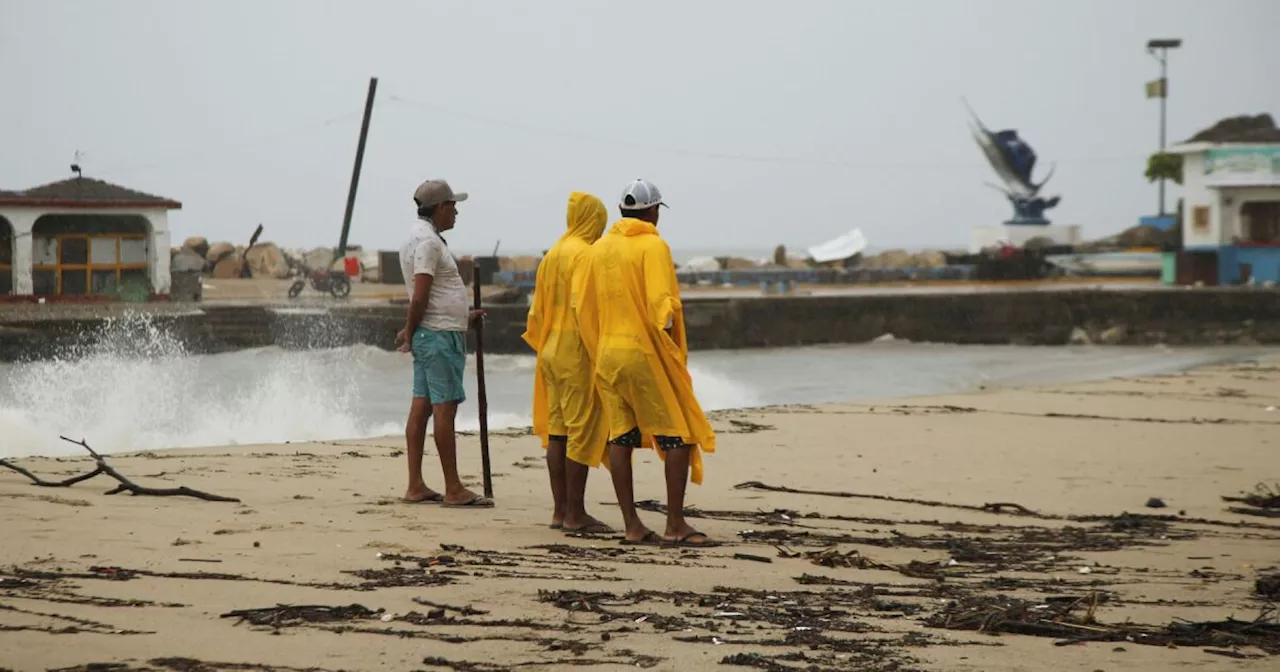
(315, 517)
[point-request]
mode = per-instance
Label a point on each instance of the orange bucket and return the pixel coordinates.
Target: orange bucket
(352, 266)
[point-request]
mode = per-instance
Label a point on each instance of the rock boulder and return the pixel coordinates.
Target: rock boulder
(929, 259)
(229, 267)
(198, 245)
(1079, 337)
(186, 261)
(1114, 336)
(889, 259)
(219, 251)
(267, 261)
(518, 264)
(320, 257)
(737, 263)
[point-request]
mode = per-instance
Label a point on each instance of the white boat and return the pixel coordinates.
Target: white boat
(1108, 263)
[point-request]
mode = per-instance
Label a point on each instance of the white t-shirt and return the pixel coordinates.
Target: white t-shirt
(426, 252)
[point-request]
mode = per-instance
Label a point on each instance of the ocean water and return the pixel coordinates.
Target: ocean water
(141, 390)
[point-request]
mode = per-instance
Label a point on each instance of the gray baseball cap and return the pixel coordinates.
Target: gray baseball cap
(435, 192)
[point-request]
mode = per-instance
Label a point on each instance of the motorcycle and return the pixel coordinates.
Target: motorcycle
(321, 280)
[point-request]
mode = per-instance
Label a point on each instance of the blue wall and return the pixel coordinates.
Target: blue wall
(1265, 262)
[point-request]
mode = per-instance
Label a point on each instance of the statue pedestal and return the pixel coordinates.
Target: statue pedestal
(1017, 235)
(1027, 222)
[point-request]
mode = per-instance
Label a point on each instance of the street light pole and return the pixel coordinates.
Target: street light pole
(1159, 50)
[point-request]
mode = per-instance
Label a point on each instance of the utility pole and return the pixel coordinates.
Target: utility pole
(355, 174)
(1159, 50)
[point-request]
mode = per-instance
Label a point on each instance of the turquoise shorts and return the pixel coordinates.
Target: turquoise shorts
(439, 358)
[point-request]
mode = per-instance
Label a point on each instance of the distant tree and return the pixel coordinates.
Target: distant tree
(1166, 166)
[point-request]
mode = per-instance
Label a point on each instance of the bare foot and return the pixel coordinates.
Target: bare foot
(587, 525)
(689, 538)
(466, 498)
(681, 531)
(648, 538)
(420, 495)
(640, 534)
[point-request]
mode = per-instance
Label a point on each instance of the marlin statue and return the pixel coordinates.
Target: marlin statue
(1013, 160)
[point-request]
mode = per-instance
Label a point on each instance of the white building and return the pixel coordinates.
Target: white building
(83, 237)
(1231, 212)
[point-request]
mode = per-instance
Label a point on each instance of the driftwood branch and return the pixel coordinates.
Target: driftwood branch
(66, 483)
(994, 507)
(125, 485)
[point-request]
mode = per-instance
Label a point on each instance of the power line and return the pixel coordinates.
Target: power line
(725, 156)
(223, 149)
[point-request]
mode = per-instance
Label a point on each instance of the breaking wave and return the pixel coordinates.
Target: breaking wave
(138, 388)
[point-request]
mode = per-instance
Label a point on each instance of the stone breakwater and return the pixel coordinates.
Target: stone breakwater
(1192, 317)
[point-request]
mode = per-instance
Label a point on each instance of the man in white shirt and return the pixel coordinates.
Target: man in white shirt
(435, 332)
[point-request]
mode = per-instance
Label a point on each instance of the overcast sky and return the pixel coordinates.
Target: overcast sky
(762, 122)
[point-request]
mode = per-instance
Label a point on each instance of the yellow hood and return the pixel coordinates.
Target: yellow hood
(586, 218)
(551, 329)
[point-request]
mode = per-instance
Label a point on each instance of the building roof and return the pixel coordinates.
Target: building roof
(1191, 148)
(1260, 129)
(85, 192)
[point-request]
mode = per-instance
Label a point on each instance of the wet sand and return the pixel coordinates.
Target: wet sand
(145, 581)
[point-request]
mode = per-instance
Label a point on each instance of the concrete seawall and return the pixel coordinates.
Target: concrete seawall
(1191, 317)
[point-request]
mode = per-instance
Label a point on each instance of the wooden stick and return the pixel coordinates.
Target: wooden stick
(481, 400)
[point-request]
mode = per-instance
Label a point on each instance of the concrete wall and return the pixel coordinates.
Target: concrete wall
(1176, 317)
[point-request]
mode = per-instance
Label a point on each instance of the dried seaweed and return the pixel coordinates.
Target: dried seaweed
(282, 615)
(74, 625)
(1060, 620)
(187, 665)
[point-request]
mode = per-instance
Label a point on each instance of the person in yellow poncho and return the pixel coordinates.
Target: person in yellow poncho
(631, 319)
(567, 415)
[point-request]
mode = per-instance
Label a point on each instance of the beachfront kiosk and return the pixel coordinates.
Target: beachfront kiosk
(83, 237)
(1231, 213)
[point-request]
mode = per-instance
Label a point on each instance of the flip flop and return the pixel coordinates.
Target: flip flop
(476, 502)
(556, 526)
(434, 498)
(684, 542)
(650, 538)
(595, 527)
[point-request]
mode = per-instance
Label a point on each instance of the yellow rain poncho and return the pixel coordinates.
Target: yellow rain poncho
(565, 401)
(626, 302)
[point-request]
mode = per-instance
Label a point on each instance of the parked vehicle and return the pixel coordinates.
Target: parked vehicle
(322, 280)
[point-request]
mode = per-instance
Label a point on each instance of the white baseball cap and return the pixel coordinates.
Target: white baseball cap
(641, 195)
